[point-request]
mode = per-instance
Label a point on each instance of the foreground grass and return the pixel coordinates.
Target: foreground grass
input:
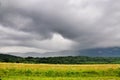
(61, 78)
(14, 71)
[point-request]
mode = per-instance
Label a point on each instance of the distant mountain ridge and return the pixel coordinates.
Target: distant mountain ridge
(102, 52)
(94, 52)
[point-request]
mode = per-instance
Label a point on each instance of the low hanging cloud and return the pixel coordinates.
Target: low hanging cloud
(60, 25)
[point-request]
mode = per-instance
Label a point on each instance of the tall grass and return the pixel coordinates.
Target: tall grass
(8, 70)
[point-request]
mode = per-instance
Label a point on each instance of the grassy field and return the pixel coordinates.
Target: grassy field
(19, 71)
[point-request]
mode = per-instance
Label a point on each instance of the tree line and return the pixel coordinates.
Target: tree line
(60, 60)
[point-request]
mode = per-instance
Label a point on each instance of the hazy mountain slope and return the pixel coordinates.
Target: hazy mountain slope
(95, 52)
(7, 57)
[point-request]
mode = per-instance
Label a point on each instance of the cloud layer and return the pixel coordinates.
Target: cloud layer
(59, 25)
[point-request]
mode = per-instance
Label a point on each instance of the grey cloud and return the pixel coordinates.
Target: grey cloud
(90, 24)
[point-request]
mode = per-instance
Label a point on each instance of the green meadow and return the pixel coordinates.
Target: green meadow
(20, 71)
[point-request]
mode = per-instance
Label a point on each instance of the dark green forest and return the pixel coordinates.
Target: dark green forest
(60, 60)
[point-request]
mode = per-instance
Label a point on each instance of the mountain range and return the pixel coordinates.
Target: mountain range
(94, 52)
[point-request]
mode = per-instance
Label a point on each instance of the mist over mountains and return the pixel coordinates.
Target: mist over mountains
(94, 52)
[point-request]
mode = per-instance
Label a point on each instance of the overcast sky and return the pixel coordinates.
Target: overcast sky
(56, 25)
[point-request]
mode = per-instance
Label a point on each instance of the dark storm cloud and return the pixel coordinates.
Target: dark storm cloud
(89, 23)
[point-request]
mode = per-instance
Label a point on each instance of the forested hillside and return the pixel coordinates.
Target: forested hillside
(60, 60)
